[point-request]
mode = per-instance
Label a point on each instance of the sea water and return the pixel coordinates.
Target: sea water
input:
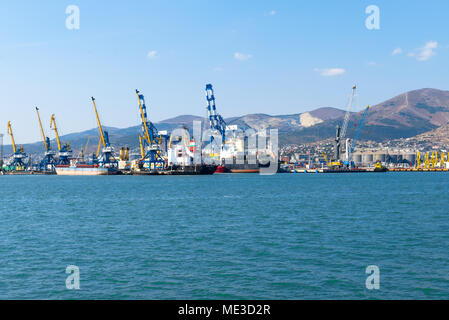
(229, 236)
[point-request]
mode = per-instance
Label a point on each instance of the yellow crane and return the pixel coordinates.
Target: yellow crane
(100, 128)
(326, 159)
(143, 117)
(64, 150)
(83, 151)
(98, 147)
(14, 148)
(107, 158)
(55, 128)
(48, 161)
(19, 155)
(426, 161)
(142, 149)
(44, 138)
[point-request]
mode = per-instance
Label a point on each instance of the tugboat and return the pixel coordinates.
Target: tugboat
(378, 167)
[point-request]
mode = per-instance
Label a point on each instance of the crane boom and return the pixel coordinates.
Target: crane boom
(54, 127)
(348, 113)
(84, 150)
(142, 149)
(216, 121)
(354, 141)
(100, 128)
(98, 148)
(12, 137)
(44, 138)
(86, 146)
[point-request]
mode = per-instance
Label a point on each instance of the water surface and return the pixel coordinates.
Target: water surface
(288, 236)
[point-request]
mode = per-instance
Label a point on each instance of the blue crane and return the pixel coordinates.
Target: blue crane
(216, 121)
(107, 158)
(150, 142)
(350, 145)
(48, 162)
(359, 129)
(65, 153)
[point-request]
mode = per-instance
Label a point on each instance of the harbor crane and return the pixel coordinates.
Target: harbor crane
(150, 140)
(216, 122)
(17, 162)
(341, 131)
(48, 162)
(65, 153)
(350, 144)
(106, 158)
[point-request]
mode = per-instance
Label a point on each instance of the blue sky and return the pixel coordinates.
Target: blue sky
(275, 57)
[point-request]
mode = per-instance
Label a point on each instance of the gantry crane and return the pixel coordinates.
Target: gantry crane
(150, 140)
(216, 122)
(65, 153)
(106, 158)
(48, 162)
(17, 161)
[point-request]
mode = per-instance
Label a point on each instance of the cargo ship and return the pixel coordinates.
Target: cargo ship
(85, 170)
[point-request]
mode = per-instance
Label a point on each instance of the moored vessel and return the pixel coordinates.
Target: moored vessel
(84, 170)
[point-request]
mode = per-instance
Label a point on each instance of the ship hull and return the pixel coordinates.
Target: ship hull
(191, 170)
(241, 168)
(84, 171)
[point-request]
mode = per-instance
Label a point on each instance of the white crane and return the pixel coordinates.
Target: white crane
(348, 114)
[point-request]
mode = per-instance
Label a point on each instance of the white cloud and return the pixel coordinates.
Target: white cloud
(426, 52)
(272, 12)
(330, 72)
(152, 54)
(372, 63)
(396, 51)
(242, 56)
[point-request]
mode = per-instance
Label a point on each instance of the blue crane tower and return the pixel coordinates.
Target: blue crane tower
(216, 121)
(150, 139)
(18, 160)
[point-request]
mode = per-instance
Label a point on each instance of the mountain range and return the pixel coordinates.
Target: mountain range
(406, 115)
